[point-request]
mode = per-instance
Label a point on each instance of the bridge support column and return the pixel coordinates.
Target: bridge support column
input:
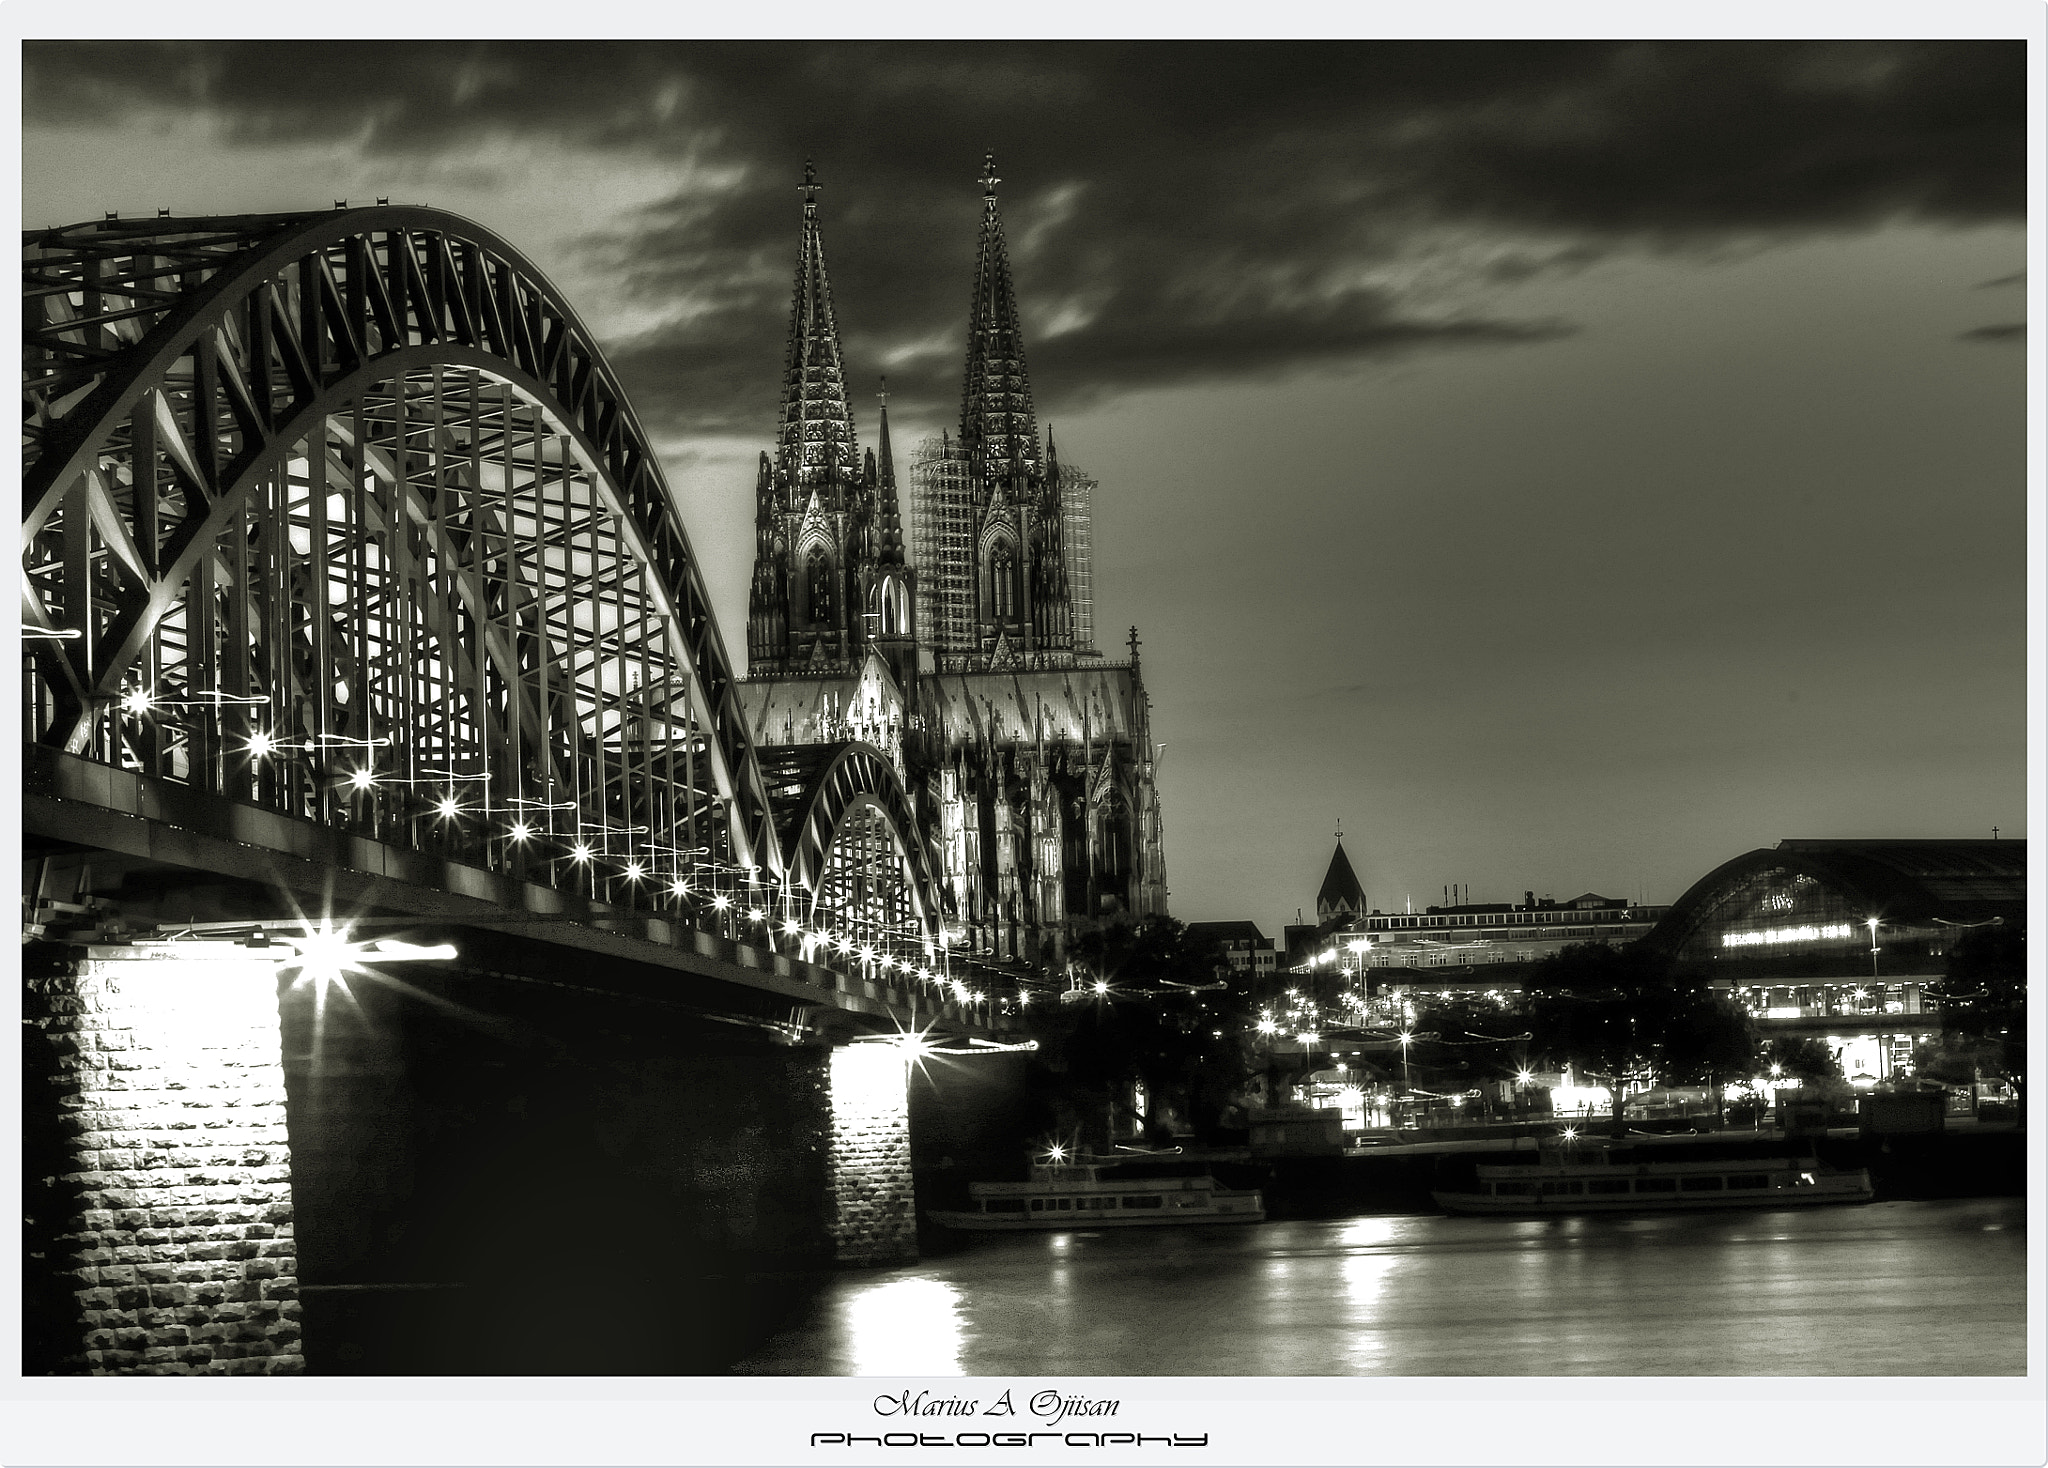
(158, 1187)
(874, 1217)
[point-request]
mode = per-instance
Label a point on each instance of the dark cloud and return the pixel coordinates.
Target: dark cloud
(1177, 211)
(2011, 331)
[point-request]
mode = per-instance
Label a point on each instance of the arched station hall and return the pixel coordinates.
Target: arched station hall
(1837, 940)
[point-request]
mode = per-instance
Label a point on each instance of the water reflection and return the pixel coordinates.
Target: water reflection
(1934, 1288)
(903, 1327)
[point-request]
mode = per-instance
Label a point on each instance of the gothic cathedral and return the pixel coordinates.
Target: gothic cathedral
(970, 664)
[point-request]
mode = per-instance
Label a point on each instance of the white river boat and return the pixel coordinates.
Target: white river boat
(1594, 1180)
(1102, 1192)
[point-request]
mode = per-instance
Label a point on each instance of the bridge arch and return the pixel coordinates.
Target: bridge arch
(346, 516)
(855, 862)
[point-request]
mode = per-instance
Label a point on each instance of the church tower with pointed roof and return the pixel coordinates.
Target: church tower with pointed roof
(1341, 896)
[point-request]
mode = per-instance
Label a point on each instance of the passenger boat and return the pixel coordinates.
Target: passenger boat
(1596, 1180)
(1102, 1192)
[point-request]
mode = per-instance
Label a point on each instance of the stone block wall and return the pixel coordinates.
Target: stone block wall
(874, 1211)
(158, 1189)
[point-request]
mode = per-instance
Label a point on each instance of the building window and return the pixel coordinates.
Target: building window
(1003, 582)
(818, 585)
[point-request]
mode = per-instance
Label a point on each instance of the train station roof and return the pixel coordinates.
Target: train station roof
(1920, 882)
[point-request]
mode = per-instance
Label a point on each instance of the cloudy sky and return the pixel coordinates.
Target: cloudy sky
(1568, 465)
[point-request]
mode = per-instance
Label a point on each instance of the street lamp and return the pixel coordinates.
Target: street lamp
(1871, 923)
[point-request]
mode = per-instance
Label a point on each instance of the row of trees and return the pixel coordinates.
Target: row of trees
(1622, 1018)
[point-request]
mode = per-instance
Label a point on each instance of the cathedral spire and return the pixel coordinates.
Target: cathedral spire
(889, 548)
(998, 426)
(814, 434)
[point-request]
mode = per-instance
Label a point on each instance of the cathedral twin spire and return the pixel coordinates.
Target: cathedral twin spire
(815, 435)
(830, 568)
(998, 427)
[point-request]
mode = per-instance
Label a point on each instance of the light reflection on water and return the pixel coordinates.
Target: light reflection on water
(1916, 1288)
(902, 1326)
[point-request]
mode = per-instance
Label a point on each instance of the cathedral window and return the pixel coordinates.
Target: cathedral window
(1003, 582)
(818, 585)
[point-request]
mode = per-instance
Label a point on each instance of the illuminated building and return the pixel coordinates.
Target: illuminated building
(1482, 934)
(964, 654)
(1247, 950)
(1453, 939)
(1837, 940)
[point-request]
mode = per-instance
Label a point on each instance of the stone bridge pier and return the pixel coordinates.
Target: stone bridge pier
(520, 1161)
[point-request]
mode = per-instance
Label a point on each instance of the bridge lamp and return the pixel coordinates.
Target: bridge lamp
(580, 851)
(1023, 998)
(1101, 987)
(721, 902)
(756, 914)
(843, 943)
(1523, 1077)
(634, 871)
(867, 955)
(792, 927)
(324, 953)
(261, 744)
(362, 779)
(136, 701)
(447, 807)
(679, 887)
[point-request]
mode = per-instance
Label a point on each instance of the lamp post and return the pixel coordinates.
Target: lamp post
(1872, 924)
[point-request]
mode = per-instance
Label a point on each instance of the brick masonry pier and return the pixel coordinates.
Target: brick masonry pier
(874, 1213)
(162, 1206)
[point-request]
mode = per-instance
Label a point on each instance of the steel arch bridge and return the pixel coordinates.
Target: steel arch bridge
(344, 515)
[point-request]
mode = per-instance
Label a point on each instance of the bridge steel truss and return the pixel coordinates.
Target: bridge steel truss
(344, 515)
(854, 850)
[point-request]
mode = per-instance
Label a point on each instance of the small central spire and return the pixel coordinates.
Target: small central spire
(989, 180)
(809, 188)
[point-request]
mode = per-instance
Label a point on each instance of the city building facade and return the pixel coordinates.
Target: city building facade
(1838, 940)
(957, 650)
(1248, 951)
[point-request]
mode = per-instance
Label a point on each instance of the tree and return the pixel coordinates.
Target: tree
(1168, 1020)
(1803, 1059)
(1983, 999)
(1709, 1040)
(1623, 1016)
(1468, 1041)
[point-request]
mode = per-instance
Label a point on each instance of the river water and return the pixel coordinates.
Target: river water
(1884, 1289)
